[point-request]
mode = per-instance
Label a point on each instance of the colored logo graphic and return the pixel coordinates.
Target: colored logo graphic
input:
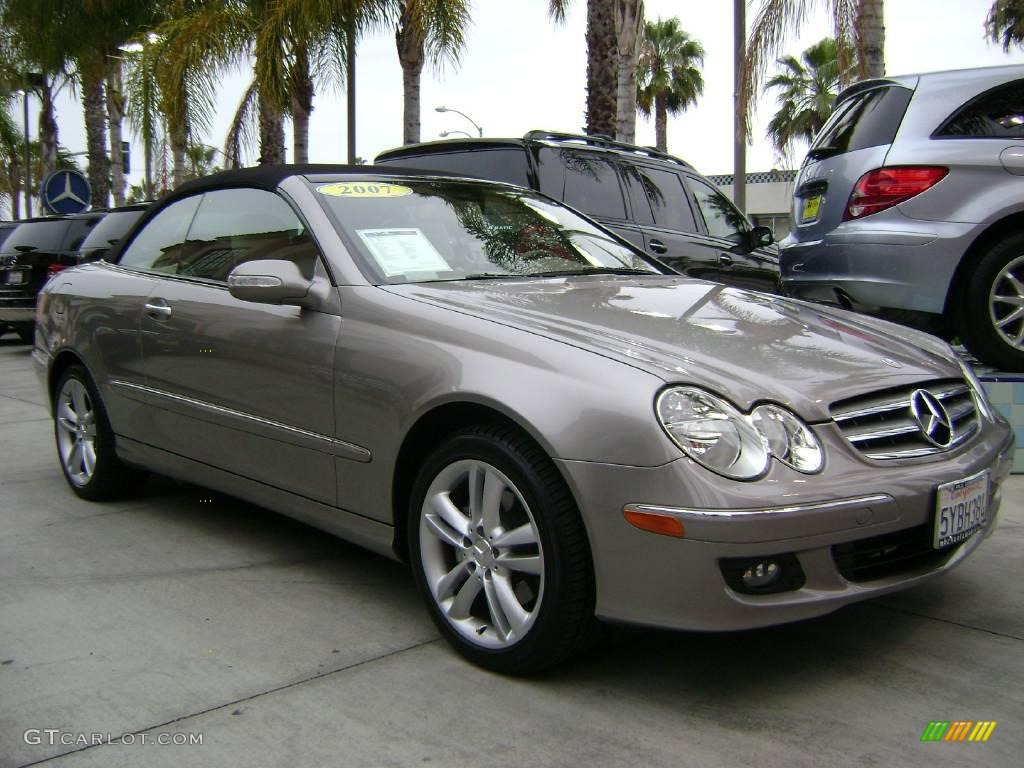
(958, 730)
(66, 191)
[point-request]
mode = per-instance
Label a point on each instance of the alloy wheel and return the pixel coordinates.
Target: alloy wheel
(481, 554)
(76, 432)
(1006, 303)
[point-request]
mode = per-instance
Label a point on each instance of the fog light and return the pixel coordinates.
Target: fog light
(762, 574)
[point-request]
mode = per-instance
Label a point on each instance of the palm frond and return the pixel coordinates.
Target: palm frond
(1005, 23)
(243, 134)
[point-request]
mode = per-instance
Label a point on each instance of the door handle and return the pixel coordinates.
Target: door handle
(158, 310)
(725, 259)
(657, 246)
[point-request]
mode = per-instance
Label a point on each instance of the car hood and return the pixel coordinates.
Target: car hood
(744, 345)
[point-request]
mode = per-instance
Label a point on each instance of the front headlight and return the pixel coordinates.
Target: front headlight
(980, 398)
(715, 434)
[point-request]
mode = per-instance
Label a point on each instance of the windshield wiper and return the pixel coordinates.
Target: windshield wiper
(595, 271)
(488, 276)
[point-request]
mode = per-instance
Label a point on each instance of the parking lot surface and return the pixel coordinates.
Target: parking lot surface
(184, 615)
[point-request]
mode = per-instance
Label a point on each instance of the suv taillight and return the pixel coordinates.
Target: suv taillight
(53, 269)
(885, 187)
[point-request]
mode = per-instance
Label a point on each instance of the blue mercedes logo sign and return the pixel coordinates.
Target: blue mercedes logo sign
(931, 418)
(66, 191)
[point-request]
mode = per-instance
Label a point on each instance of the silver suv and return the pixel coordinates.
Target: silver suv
(910, 205)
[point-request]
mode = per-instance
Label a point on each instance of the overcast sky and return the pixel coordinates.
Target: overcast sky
(519, 72)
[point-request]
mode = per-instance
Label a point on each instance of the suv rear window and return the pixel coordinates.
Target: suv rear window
(997, 114)
(507, 165)
(43, 235)
(868, 119)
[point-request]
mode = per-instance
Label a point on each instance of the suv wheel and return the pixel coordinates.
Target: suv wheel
(499, 552)
(990, 315)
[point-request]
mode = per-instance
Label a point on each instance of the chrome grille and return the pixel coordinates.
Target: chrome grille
(883, 425)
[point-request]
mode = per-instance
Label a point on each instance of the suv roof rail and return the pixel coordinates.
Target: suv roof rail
(603, 142)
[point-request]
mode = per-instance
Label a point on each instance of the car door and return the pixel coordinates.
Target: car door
(669, 230)
(242, 386)
(725, 235)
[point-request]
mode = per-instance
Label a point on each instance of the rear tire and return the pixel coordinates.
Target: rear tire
(990, 311)
(499, 552)
(85, 441)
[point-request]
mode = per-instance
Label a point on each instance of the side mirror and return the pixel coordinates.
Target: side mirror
(761, 237)
(270, 281)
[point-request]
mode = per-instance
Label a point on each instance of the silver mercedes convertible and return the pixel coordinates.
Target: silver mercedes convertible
(550, 427)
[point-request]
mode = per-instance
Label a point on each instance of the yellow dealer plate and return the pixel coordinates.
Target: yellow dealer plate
(370, 189)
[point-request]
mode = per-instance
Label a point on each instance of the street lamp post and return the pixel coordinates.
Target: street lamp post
(28, 163)
(471, 120)
(446, 134)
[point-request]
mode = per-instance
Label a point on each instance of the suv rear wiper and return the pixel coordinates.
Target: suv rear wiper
(820, 153)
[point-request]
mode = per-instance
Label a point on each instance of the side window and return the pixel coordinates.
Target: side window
(996, 114)
(658, 197)
(722, 218)
(584, 180)
(159, 245)
(237, 225)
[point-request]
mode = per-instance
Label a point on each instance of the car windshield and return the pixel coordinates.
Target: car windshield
(426, 230)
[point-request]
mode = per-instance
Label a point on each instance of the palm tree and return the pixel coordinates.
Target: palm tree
(669, 77)
(857, 28)
(629, 25)
(426, 30)
(1005, 23)
(807, 89)
(601, 62)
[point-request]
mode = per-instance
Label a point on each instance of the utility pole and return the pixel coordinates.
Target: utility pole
(739, 147)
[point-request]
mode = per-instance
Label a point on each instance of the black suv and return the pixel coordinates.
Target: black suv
(36, 249)
(110, 231)
(657, 202)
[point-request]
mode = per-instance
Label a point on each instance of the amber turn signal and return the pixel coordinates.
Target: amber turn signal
(666, 525)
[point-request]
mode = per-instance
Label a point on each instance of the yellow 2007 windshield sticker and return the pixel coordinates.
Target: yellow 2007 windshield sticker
(363, 189)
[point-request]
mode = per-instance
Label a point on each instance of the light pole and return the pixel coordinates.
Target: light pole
(449, 109)
(28, 163)
(446, 134)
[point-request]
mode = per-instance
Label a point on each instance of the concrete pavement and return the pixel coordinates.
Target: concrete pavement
(186, 612)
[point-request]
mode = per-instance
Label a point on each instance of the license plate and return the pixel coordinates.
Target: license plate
(810, 209)
(14, 277)
(961, 510)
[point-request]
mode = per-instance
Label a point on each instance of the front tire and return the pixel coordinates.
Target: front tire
(499, 552)
(85, 441)
(990, 315)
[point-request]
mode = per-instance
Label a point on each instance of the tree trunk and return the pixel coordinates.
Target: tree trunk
(870, 35)
(601, 69)
(115, 113)
(629, 20)
(14, 180)
(410, 55)
(661, 122)
(302, 106)
(271, 135)
(47, 128)
(94, 106)
(179, 142)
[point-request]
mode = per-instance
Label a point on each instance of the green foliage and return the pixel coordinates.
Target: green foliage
(670, 67)
(806, 91)
(1005, 23)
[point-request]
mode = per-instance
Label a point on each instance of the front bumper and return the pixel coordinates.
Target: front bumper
(17, 312)
(656, 580)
